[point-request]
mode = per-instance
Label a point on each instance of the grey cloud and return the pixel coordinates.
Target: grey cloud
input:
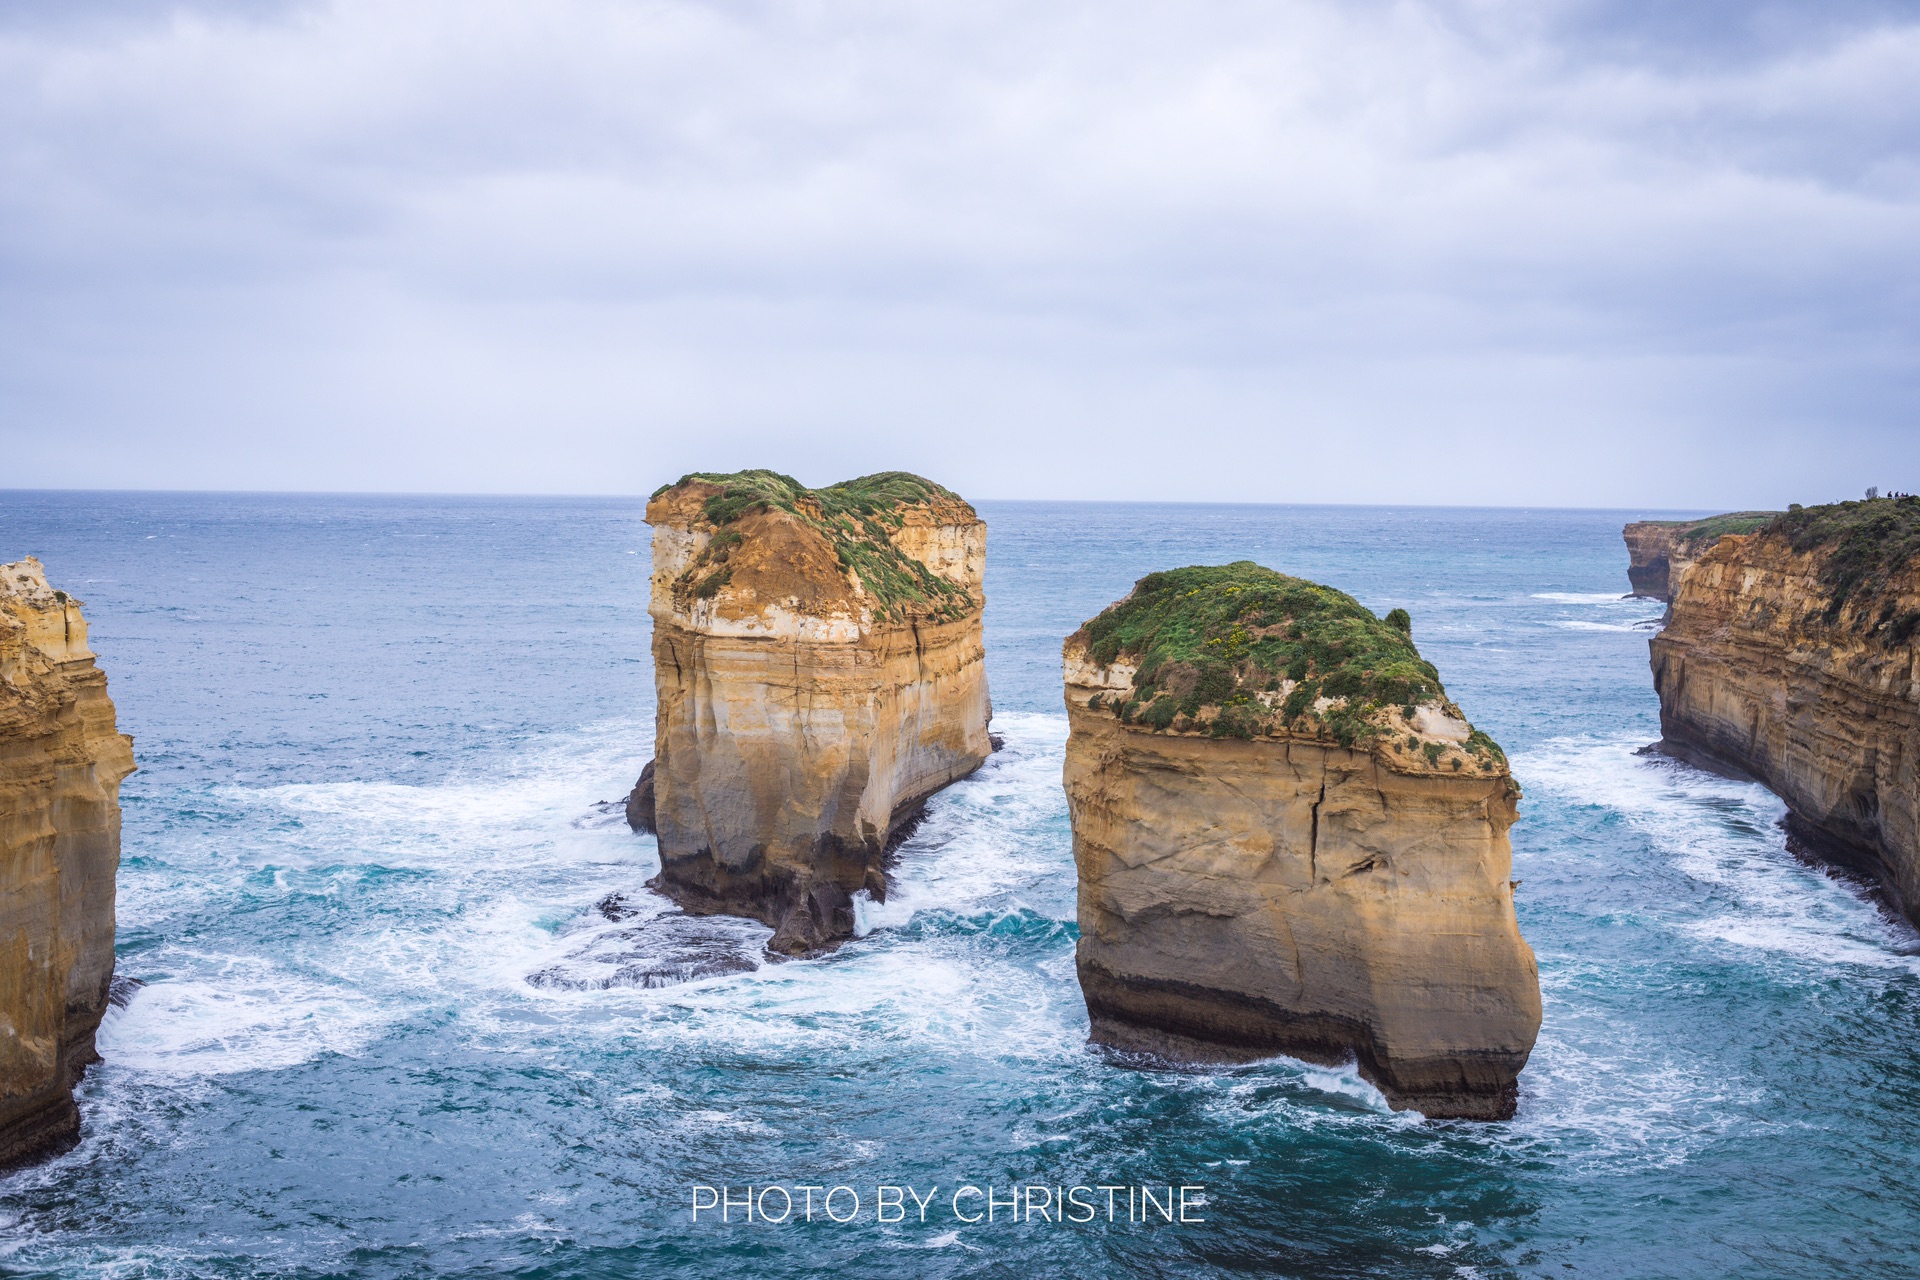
(1500, 251)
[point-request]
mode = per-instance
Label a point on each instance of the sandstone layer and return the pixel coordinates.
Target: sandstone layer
(1790, 656)
(61, 764)
(820, 673)
(1659, 551)
(1290, 841)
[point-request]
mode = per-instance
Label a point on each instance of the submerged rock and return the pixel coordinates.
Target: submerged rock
(61, 764)
(1792, 655)
(1290, 841)
(652, 948)
(1659, 551)
(820, 674)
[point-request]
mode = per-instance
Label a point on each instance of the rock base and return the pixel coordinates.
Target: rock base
(809, 908)
(1182, 1022)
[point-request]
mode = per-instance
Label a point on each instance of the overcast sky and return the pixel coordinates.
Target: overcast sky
(1660, 254)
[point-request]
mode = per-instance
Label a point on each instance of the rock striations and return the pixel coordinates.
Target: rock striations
(818, 660)
(1290, 841)
(1792, 655)
(1659, 551)
(61, 763)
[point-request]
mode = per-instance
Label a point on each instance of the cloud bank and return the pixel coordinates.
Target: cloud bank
(1479, 251)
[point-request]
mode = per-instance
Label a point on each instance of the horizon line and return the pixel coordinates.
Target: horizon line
(643, 498)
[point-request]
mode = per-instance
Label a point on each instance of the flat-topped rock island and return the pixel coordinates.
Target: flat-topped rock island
(1289, 840)
(820, 673)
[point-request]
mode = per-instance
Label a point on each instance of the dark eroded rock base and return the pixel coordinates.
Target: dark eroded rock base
(810, 911)
(1186, 1023)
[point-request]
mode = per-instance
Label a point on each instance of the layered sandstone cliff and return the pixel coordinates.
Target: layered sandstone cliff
(61, 763)
(1792, 655)
(1289, 841)
(820, 671)
(1659, 551)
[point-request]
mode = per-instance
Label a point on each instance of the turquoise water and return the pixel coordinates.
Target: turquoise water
(373, 737)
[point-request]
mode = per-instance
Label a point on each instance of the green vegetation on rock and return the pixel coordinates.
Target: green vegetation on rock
(1242, 651)
(1868, 549)
(1713, 528)
(855, 517)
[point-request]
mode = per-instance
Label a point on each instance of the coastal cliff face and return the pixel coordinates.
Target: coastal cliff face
(1659, 551)
(1289, 841)
(61, 764)
(820, 672)
(1790, 655)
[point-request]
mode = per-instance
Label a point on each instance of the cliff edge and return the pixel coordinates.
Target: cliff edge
(1659, 551)
(820, 670)
(1790, 655)
(1289, 840)
(61, 764)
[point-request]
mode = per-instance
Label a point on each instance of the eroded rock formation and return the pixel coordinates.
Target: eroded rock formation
(1290, 841)
(61, 763)
(818, 660)
(1792, 655)
(1659, 551)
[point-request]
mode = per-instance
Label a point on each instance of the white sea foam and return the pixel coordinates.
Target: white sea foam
(735, 1122)
(948, 1240)
(999, 838)
(1618, 1101)
(1609, 1097)
(493, 879)
(454, 890)
(248, 1015)
(1725, 833)
(932, 996)
(1587, 597)
(1316, 1097)
(1643, 626)
(1347, 1082)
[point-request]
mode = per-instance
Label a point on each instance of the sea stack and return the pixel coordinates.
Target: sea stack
(818, 660)
(1659, 551)
(1792, 655)
(1290, 841)
(61, 763)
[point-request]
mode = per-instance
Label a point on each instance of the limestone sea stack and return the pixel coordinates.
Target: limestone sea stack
(1659, 551)
(61, 763)
(1792, 655)
(818, 660)
(1290, 841)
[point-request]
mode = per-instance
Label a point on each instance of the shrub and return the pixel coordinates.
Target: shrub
(1303, 696)
(1479, 743)
(1865, 550)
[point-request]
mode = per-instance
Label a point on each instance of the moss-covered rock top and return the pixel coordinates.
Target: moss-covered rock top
(856, 518)
(1241, 651)
(880, 496)
(1869, 557)
(1712, 528)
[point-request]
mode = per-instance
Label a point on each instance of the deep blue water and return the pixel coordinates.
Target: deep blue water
(372, 733)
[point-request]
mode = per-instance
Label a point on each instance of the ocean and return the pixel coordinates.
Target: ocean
(370, 882)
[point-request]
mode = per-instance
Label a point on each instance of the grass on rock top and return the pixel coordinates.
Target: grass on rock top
(1870, 551)
(1243, 651)
(855, 516)
(1713, 528)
